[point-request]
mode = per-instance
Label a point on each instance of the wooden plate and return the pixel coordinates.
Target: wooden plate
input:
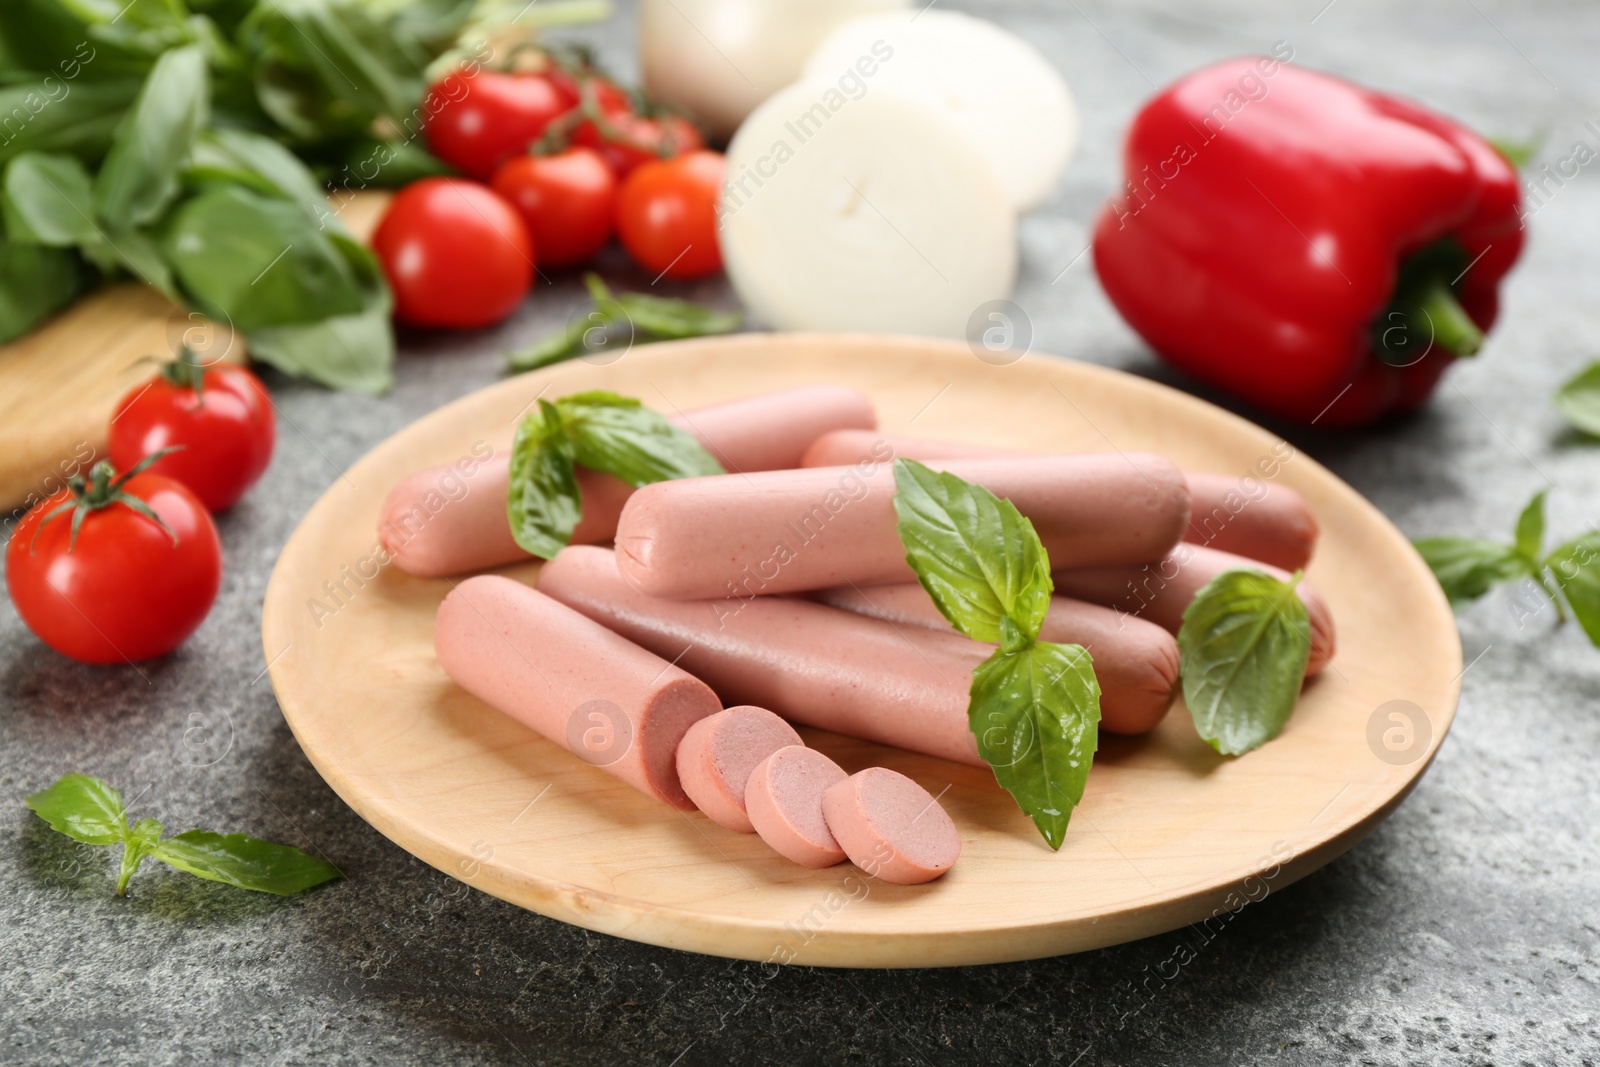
(1169, 833)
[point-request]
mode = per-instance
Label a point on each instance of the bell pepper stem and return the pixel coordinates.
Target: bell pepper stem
(1453, 329)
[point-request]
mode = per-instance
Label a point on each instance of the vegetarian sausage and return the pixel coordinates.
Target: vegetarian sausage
(596, 694)
(452, 519)
(794, 530)
(1245, 515)
(1161, 591)
(784, 798)
(810, 663)
(718, 753)
(1136, 662)
(891, 827)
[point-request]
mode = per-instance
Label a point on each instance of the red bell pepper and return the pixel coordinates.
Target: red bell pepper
(1319, 249)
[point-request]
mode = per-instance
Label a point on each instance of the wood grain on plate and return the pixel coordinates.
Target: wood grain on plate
(1169, 832)
(60, 383)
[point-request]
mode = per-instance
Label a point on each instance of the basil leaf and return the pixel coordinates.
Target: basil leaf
(555, 347)
(1466, 567)
(1530, 531)
(135, 252)
(1036, 715)
(1242, 648)
(1579, 399)
(142, 838)
(54, 116)
(256, 261)
(35, 283)
(244, 861)
(353, 352)
(49, 200)
(620, 436)
(672, 319)
(85, 809)
(976, 555)
(1576, 568)
(544, 504)
(139, 177)
(263, 164)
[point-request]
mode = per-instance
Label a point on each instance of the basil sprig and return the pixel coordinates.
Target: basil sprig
(599, 430)
(622, 319)
(1568, 575)
(1034, 705)
(1242, 650)
(1579, 400)
(91, 811)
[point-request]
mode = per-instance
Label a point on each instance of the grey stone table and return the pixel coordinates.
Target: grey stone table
(1463, 931)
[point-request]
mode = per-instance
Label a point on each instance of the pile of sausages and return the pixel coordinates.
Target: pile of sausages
(782, 590)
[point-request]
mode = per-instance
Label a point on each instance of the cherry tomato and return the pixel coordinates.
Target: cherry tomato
(456, 254)
(568, 202)
(667, 215)
(222, 418)
(126, 588)
(626, 139)
(477, 120)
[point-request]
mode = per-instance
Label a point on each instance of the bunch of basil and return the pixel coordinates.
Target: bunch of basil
(189, 143)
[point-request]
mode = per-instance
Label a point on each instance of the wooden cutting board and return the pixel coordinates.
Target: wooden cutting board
(60, 383)
(1168, 833)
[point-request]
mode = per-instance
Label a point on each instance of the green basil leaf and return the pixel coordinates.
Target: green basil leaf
(1036, 715)
(620, 436)
(35, 283)
(263, 164)
(555, 347)
(139, 177)
(85, 809)
(244, 861)
(1576, 568)
(256, 261)
(142, 839)
(1579, 399)
(135, 252)
(671, 318)
(1242, 649)
(1530, 531)
(49, 200)
(976, 555)
(52, 115)
(1466, 567)
(354, 352)
(544, 503)
(371, 161)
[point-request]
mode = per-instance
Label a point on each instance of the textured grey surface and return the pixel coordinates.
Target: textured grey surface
(1464, 930)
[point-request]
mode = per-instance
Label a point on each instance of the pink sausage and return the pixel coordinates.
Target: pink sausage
(1275, 527)
(1136, 662)
(452, 519)
(784, 799)
(718, 753)
(1161, 591)
(795, 530)
(891, 827)
(598, 695)
(812, 664)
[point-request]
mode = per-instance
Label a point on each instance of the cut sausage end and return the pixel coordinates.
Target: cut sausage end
(784, 802)
(720, 752)
(891, 827)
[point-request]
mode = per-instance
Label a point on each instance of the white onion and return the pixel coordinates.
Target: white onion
(863, 210)
(718, 59)
(1007, 96)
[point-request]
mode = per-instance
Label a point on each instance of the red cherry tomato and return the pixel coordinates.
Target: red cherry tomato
(477, 120)
(455, 253)
(221, 416)
(127, 589)
(625, 139)
(567, 201)
(667, 215)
